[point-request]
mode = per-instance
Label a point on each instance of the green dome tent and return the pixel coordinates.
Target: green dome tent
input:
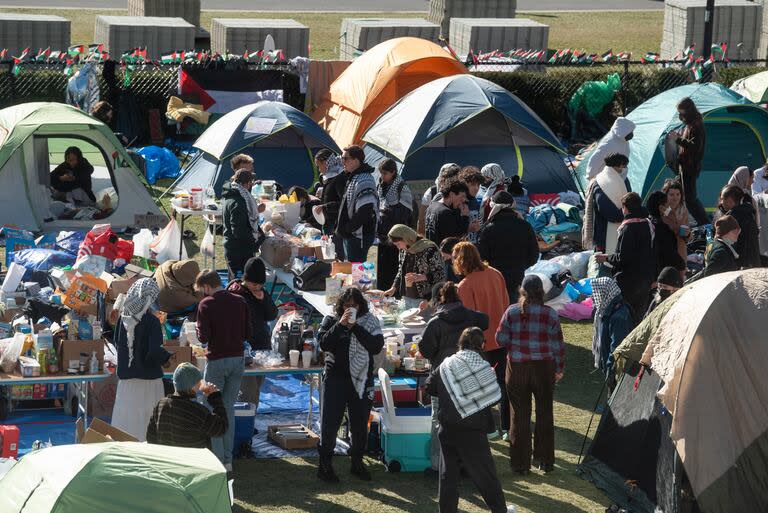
(735, 128)
(117, 477)
(33, 138)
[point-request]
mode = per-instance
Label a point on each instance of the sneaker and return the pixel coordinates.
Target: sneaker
(505, 437)
(326, 473)
(358, 469)
(228, 467)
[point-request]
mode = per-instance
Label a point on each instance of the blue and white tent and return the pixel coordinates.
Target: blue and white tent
(470, 121)
(281, 139)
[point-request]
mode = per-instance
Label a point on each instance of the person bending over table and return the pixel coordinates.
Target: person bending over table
(73, 178)
(420, 264)
(350, 338)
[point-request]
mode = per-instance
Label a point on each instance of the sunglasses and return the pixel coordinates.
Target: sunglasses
(347, 157)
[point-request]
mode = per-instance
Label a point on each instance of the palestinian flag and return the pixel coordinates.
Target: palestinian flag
(607, 55)
(77, 50)
(689, 51)
(650, 57)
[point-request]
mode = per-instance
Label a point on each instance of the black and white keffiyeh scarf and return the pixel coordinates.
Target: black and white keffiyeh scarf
(361, 190)
(395, 193)
(359, 358)
(140, 297)
(253, 210)
(470, 381)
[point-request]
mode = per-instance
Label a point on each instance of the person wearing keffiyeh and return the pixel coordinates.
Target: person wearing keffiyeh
(330, 189)
(466, 388)
(140, 357)
(350, 342)
(395, 207)
(613, 322)
(242, 234)
(495, 181)
(358, 212)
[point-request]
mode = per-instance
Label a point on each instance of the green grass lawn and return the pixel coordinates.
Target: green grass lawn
(636, 32)
(290, 485)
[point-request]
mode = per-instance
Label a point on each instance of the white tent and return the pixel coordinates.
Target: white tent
(33, 137)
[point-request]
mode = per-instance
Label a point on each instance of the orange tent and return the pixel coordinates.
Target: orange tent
(376, 80)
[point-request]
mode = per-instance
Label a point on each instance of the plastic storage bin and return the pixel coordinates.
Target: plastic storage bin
(245, 417)
(405, 432)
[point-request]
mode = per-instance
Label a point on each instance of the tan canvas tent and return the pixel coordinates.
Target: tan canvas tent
(703, 404)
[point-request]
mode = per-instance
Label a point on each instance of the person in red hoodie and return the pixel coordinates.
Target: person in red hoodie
(483, 289)
(223, 325)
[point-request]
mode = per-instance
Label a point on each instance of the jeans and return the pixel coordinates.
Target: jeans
(356, 250)
(226, 374)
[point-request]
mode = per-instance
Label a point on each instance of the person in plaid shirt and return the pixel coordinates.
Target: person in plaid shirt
(531, 334)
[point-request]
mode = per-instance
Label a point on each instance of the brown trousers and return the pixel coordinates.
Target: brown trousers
(524, 380)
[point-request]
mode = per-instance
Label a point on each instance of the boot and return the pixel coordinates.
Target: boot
(358, 469)
(325, 471)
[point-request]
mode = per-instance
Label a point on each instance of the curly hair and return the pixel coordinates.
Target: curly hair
(352, 294)
(466, 259)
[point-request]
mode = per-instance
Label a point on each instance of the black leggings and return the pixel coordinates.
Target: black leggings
(338, 395)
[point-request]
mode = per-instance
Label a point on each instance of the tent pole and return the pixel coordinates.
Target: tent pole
(591, 418)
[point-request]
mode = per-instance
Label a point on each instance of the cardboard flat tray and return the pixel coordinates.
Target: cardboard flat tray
(292, 436)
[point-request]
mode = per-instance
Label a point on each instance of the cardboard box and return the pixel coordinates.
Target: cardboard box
(341, 267)
(100, 432)
(8, 314)
(71, 349)
(304, 438)
(179, 355)
(134, 270)
(117, 285)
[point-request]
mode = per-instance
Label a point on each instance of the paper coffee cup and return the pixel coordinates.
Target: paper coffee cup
(293, 356)
(306, 359)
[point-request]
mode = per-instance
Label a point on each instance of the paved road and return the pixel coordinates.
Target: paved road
(346, 5)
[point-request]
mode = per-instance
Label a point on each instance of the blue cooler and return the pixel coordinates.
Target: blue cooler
(245, 418)
(406, 433)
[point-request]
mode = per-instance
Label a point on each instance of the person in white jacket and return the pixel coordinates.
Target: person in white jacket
(760, 180)
(615, 141)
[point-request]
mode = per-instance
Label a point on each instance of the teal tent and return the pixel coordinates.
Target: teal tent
(116, 477)
(736, 131)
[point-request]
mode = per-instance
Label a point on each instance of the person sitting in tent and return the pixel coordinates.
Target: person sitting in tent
(665, 240)
(447, 171)
(634, 262)
(140, 359)
(733, 203)
(307, 202)
(176, 280)
(602, 214)
(668, 282)
(615, 141)
(420, 264)
(395, 208)
(358, 212)
(179, 420)
(448, 217)
(613, 322)
(505, 225)
(466, 389)
(242, 234)
(72, 178)
(495, 181)
(691, 143)
(722, 256)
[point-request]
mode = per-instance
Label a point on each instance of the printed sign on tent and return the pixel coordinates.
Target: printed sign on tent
(259, 126)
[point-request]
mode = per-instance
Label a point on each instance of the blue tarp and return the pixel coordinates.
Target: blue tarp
(159, 163)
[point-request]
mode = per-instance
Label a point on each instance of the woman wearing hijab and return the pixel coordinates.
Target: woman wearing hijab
(395, 208)
(420, 264)
(613, 322)
(73, 176)
(140, 358)
(242, 234)
(743, 178)
(495, 181)
(530, 333)
(350, 338)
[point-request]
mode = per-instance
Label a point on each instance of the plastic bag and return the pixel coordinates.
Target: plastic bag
(594, 95)
(166, 245)
(141, 242)
(11, 352)
(207, 247)
(70, 241)
(546, 268)
(42, 260)
(160, 163)
(102, 241)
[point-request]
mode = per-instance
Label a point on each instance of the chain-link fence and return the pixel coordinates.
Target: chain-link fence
(550, 88)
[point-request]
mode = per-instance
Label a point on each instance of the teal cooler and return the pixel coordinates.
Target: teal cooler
(405, 433)
(245, 418)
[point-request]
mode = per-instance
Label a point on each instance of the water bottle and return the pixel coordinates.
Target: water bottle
(709, 235)
(210, 196)
(94, 364)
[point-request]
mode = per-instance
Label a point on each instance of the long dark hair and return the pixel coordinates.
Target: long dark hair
(655, 200)
(74, 150)
(690, 111)
(449, 293)
(674, 183)
(353, 295)
(534, 296)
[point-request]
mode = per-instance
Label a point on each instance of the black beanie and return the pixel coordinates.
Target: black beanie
(254, 271)
(670, 276)
(503, 198)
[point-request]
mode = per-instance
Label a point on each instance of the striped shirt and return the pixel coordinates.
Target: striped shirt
(183, 422)
(533, 336)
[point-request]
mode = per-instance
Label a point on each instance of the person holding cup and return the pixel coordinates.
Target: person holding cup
(350, 338)
(676, 215)
(665, 240)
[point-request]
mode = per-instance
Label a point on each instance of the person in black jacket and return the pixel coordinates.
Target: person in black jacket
(722, 256)
(668, 282)
(448, 217)
(140, 359)
(330, 189)
(511, 259)
(466, 388)
(691, 143)
(441, 339)
(261, 310)
(446, 250)
(358, 212)
(665, 240)
(748, 246)
(242, 234)
(350, 338)
(74, 176)
(395, 207)
(634, 263)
